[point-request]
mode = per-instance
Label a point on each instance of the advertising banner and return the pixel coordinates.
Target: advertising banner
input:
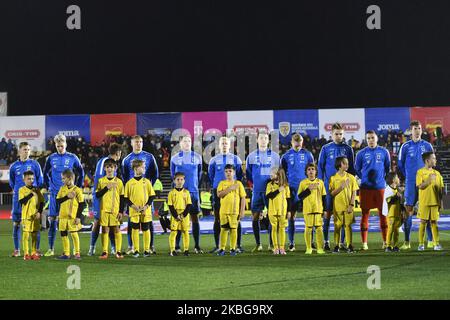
(24, 128)
(104, 125)
(353, 121)
(204, 121)
(158, 123)
(244, 120)
(303, 121)
(72, 126)
(387, 118)
(432, 118)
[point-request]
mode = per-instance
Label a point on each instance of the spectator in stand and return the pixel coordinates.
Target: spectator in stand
(426, 135)
(3, 149)
(323, 141)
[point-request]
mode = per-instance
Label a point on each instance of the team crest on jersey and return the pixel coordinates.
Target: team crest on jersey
(285, 128)
(67, 162)
(422, 148)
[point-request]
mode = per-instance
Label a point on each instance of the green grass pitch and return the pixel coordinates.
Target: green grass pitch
(405, 275)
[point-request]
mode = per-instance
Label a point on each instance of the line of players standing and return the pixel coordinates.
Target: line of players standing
(371, 165)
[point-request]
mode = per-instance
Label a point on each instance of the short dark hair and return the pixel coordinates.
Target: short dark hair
(311, 165)
(178, 174)
(23, 144)
(339, 161)
(28, 172)
(371, 132)
(414, 123)
(337, 126)
(296, 137)
(114, 148)
(136, 163)
(110, 162)
(390, 177)
(426, 155)
(230, 166)
(68, 173)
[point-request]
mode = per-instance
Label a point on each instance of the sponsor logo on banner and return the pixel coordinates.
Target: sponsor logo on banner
(113, 129)
(251, 127)
(349, 127)
(432, 125)
(70, 133)
(18, 134)
(285, 128)
(388, 126)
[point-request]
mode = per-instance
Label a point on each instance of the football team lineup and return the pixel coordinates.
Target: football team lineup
(304, 203)
(281, 187)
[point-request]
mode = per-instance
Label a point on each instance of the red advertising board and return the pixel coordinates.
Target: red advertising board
(104, 125)
(205, 120)
(432, 117)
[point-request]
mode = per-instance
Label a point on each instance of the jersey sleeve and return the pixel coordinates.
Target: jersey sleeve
(38, 174)
(169, 199)
(120, 187)
(301, 187)
(40, 196)
(79, 172)
(99, 186)
(151, 192)
(441, 184)
(220, 187)
(288, 192)
(211, 170)
(248, 169)
(189, 200)
(21, 193)
(358, 163)
(283, 163)
(239, 173)
(199, 167)
(323, 191)
(59, 193)
(310, 158)
(331, 185)
(401, 160)
(152, 170)
(125, 172)
(127, 190)
(97, 174)
(172, 168)
(268, 188)
(12, 180)
(354, 184)
(321, 164)
(419, 178)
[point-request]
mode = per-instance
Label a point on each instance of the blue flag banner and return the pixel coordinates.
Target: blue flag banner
(303, 121)
(158, 123)
(387, 118)
(72, 126)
